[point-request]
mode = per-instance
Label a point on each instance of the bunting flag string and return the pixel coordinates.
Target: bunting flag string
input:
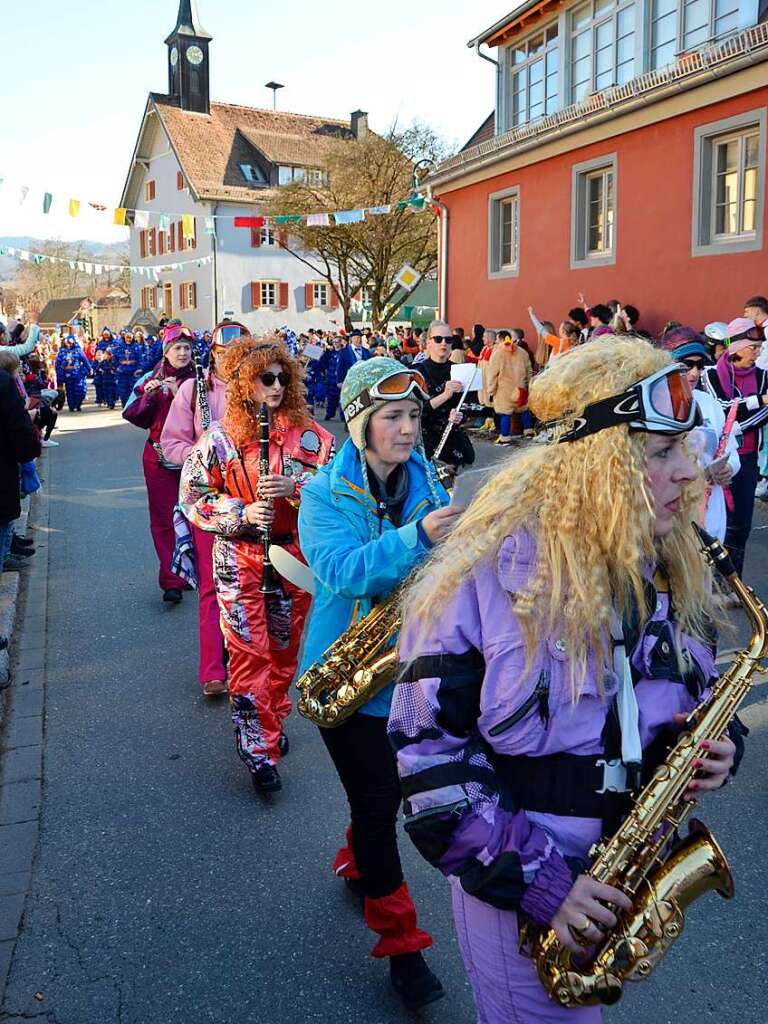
(123, 216)
(90, 267)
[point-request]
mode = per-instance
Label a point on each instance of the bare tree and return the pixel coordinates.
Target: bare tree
(372, 171)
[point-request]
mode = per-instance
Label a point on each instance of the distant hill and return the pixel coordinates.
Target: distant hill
(105, 253)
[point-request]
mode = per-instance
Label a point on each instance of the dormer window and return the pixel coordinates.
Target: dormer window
(534, 67)
(312, 176)
(602, 46)
(253, 174)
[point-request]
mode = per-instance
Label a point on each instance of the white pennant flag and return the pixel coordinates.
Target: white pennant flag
(99, 268)
(23, 193)
(141, 220)
(72, 265)
(23, 255)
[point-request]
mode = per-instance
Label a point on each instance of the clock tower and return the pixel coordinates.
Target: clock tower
(188, 71)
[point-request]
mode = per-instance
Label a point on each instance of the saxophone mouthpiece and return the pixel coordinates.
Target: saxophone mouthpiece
(715, 552)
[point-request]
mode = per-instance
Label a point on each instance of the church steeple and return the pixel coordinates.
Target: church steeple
(188, 60)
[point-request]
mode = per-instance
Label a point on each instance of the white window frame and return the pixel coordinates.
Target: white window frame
(582, 174)
(610, 14)
(275, 286)
(704, 240)
(551, 46)
(267, 235)
(253, 174)
(320, 294)
(496, 203)
(683, 45)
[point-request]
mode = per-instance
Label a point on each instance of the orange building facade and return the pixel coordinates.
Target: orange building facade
(650, 190)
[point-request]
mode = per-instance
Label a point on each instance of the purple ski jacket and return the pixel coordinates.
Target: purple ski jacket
(464, 698)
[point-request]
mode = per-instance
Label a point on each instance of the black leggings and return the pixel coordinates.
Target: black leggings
(364, 759)
(739, 528)
(46, 418)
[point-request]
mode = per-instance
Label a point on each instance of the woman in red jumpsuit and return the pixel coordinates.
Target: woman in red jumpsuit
(222, 492)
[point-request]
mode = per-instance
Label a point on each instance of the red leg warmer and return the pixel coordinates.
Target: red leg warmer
(344, 865)
(394, 918)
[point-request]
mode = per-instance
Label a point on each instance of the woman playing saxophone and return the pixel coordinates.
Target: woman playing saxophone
(551, 656)
(365, 522)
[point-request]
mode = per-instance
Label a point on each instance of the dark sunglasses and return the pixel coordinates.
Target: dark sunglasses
(268, 379)
(440, 338)
(694, 364)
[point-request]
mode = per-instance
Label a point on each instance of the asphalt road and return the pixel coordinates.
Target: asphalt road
(166, 893)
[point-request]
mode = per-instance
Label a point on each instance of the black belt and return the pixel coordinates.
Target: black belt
(282, 539)
(569, 785)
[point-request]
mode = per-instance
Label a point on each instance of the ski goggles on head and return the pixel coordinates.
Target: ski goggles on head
(175, 330)
(756, 334)
(397, 386)
(660, 404)
(223, 334)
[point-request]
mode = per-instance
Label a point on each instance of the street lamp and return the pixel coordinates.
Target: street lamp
(426, 162)
(274, 86)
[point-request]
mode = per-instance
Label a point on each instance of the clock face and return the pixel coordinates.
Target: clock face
(174, 57)
(195, 55)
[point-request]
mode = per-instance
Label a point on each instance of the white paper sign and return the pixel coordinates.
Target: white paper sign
(313, 351)
(468, 374)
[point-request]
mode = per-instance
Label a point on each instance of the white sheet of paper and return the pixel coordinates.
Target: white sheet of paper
(296, 572)
(313, 351)
(468, 484)
(467, 374)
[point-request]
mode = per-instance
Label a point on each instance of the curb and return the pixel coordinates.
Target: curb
(21, 745)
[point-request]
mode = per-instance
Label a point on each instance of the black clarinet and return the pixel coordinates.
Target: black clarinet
(268, 575)
(202, 394)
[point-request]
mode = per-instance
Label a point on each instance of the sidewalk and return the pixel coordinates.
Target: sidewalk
(23, 614)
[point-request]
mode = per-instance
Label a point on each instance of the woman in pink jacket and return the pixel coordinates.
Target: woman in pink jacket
(199, 403)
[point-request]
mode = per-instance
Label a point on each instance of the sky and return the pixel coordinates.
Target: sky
(77, 74)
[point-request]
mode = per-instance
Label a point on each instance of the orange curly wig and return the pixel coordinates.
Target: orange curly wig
(240, 367)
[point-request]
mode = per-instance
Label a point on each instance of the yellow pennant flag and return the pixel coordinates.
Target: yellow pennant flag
(120, 213)
(188, 225)
(74, 207)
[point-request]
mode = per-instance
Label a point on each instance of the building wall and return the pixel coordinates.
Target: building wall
(654, 268)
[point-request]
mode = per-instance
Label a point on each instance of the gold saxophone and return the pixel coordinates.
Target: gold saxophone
(660, 880)
(354, 669)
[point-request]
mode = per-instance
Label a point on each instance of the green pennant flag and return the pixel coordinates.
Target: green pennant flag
(401, 205)
(47, 200)
(417, 202)
(289, 218)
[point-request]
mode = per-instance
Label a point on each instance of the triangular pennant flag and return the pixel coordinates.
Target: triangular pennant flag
(23, 255)
(99, 268)
(379, 210)
(210, 226)
(47, 200)
(349, 216)
(164, 223)
(74, 207)
(23, 193)
(188, 226)
(119, 217)
(72, 265)
(318, 220)
(289, 218)
(141, 219)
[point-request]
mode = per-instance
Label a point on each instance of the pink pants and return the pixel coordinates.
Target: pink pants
(162, 495)
(211, 664)
(504, 983)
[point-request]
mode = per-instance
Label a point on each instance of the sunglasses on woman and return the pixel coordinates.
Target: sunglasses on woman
(268, 379)
(441, 339)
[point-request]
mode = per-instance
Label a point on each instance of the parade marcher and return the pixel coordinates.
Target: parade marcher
(508, 380)
(72, 369)
(128, 355)
(148, 408)
(735, 376)
(330, 361)
(574, 574)
(686, 346)
(354, 352)
(103, 347)
(223, 492)
(365, 522)
(153, 353)
(445, 395)
(183, 429)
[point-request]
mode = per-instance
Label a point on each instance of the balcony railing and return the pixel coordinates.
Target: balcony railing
(687, 65)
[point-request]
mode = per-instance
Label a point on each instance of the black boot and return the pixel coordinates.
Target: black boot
(413, 981)
(21, 542)
(266, 779)
(22, 550)
(172, 596)
(283, 744)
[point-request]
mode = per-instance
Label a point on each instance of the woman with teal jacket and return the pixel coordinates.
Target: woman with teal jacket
(366, 521)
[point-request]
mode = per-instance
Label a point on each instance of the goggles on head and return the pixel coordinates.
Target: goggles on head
(175, 330)
(399, 385)
(223, 334)
(755, 334)
(660, 404)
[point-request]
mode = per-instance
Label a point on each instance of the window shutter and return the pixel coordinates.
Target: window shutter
(193, 304)
(143, 244)
(334, 298)
(283, 300)
(309, 296)
(282, 239)
(161, 242)
(181, 297)
(255, 238)
(172, 239)
(255, 294)
(151, 190)
(180, 236)
(154, 298)
(179, 181)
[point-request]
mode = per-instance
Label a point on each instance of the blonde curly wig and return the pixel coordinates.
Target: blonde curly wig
(587, 505)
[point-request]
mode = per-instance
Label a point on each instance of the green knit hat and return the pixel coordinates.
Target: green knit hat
(356, 402)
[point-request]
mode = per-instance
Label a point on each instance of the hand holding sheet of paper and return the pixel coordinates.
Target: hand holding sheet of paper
(313, 351)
